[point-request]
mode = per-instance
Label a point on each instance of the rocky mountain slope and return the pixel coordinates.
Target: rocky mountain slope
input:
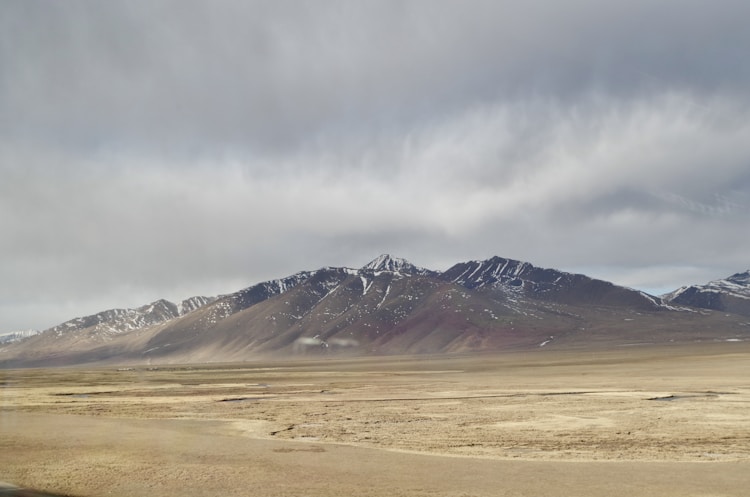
(388, 306)
(550, 285)
(730, 294)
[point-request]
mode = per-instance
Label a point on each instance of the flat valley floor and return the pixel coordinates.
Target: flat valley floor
(646, 421)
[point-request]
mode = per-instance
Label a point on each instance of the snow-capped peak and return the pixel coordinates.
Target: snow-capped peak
(385, 262)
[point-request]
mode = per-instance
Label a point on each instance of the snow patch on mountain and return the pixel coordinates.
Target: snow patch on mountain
(365, 284)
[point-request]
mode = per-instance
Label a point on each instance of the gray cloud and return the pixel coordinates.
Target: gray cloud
(270, 75)
(163, 149)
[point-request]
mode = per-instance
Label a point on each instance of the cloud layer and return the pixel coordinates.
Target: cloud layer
(164, 149)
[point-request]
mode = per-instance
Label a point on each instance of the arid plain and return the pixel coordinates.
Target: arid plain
(641, 420)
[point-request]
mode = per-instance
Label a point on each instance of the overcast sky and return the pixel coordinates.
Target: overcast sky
(155, 149)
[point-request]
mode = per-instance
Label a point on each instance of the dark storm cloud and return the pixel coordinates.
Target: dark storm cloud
(160, 149)
(269, 75)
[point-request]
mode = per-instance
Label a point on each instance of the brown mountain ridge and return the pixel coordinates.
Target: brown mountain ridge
(389, 306)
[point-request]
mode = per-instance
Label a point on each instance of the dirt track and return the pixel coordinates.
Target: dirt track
(668, 421)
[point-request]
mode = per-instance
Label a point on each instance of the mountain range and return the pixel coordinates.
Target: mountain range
(390, 306)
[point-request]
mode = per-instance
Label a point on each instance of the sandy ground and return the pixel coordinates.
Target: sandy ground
(669, 421)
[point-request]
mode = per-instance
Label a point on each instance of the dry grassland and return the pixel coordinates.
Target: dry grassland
(636, 421)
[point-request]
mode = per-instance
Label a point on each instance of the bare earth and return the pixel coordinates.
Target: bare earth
(667, 421)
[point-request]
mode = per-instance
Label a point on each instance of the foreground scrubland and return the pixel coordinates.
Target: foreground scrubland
(668, 420)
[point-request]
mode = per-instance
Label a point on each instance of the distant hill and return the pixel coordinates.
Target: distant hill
(731, 294)
(15, 336)
(388, 306)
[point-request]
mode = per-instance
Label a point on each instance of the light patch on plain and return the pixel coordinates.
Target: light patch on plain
(253, 428)
(558, 423)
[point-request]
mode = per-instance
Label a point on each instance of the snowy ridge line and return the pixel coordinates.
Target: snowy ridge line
(15, 336)
(116, 321)
(737, 285)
